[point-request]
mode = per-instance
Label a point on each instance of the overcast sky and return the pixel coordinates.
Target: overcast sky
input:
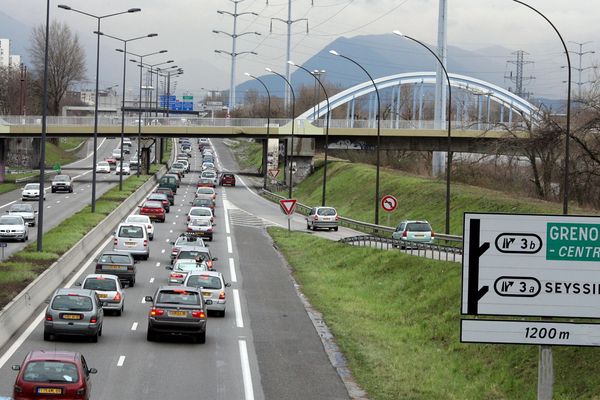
(185, 29)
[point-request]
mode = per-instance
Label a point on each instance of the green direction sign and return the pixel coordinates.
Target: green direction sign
(572, 242)
(188, 97)
(56, 167)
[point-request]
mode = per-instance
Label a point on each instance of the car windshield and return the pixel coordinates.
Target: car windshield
(177, 296)
(326, 211)
(203, 202)
(7, 220)
(418, 227)
(50, 371)
(204, 281)
(114, 259)
(135, 232)
(201, 212)
(192, 255)
(108, 285)
(125, 165)
(72, 302)
(61, 178)
(188, 266)
(138, 218)
(21, 208)
(32, 186)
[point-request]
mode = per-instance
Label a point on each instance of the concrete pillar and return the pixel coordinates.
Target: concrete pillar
(3, 153)
(145, 160)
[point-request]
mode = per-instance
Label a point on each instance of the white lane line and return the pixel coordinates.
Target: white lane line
(179, 210)
(246, 374)
(173, 222)
(171, 231)
(229, 246)
(19, 342)
(57, 201)
(152, 280)
(134, 326)
(8, 204)
(143, 300)
(162, 251)
(176, 216)
(121, 361)
(167, 239)
(49, 207)
(226, 216)
(239, 320)
(158, 264)
(232, 270)
(66, 197)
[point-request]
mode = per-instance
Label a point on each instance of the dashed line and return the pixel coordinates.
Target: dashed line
(232, 270)
(158, 264)
(162, 251)
(134, 326)
(246, 373)
(152, 280)
(171, 231)
(143, 300)
(167, 240)
(239, 320)
(121, 361)
(229, 246)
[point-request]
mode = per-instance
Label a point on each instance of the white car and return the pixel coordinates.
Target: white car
(109, 290)
(125, 170)
(13, 227)
(213, 288)
(134, 161)
(201, 213)
(208, 165)
(142, 219)
(103, 167)
(25, 211)
(116, 154)
(31, 191)
(210, 174)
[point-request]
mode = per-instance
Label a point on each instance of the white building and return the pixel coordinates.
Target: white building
(4, 52)
(15, 61)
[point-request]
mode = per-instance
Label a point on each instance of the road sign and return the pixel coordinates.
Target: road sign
(288, 206)
(529, 332)
(531, 265)
(187, 97)
(273, 173)
(3, 244)
(389, 203)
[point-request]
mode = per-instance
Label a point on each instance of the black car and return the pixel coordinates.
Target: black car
(177, 310)
(168, 192)
(119, 264)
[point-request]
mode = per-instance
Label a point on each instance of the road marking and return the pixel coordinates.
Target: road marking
(66, 197)
(134, 326)
(152, 280)
(171, 231)
(176, 216)
(232, 270)
(158, 264)
(226, 216)
(8, 204)
(246, 374)
(239, 320)
(121, 361)
(49, 207)
(162, 251)
(167, 239)
(179, 210)
(229, 246)
(143, 300)
(173, 222)
(57, 201)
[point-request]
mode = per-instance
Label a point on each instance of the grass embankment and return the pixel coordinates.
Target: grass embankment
(248, 154)
(396, 319)
(24, 266)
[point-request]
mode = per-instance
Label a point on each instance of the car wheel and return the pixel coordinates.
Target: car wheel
(314, 228)
(307, 226)
(119, 312)
(150, 335)
(151, 237)
(94, 339)
(47, 336)
(71, 190)
(53, 191)
(100, 332)
(131, 282)
(221, 314)
(335, 229)
(201, 338)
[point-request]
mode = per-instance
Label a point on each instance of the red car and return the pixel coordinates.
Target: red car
(52, 374)
(154, 210)
(112, 161)
(206, 182)
(227, 180)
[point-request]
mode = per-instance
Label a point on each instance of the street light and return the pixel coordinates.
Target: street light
(266, 155)
(326, 129)
(98, 18)
(124, 51)
(449, 118)
(335, 53)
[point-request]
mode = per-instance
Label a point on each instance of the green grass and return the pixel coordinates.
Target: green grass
(56, 155)
(396, 319)
(167, 152)
(248, 154)
(68, 143)
(9, 181)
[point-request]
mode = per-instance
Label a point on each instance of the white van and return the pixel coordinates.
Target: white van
(132, 238)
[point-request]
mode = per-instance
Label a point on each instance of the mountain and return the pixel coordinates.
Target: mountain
(12, 29)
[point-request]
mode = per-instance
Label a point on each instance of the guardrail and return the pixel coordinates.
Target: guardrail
(429, 250)
(377, 230)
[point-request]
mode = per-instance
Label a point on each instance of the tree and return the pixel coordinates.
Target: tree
(66, 61)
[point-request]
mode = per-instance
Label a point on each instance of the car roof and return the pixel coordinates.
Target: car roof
(116, 253)
(171, 288)
(58, 355)
(210, 273)
(422, 221)
(77, 291)
(102, 276)
(192, 247)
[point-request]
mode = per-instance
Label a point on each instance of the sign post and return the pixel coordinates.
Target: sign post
(3, 245)
(273, 174)
(288, 206)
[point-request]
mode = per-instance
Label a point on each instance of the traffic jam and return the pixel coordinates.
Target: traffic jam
(186, 292)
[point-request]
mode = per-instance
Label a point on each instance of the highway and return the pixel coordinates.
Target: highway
(265, 347)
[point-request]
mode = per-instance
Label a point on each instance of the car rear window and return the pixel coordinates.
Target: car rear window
(72, 303)
(153, 204)
(192, 255)
(134, 232)
(204, 281)
(201, 212)
(418, 227)
(177, 296)
(187, 266)
(114, 259)
(108, 285)
(326, 211)
(205, 191)
(50, 371)
(202, 202)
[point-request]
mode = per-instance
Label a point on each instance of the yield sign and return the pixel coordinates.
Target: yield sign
(288, 206)
(273, 173)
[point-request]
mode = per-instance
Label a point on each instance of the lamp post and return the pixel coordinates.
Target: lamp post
(98, 18)
(40, 232)
(326, 128)
(157, 75)
(124, 51)
(266, 155)
(449, 122)
(378, 160)
(293, 124)
(165, 76)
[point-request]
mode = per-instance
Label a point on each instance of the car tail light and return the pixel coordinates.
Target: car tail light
(337, 217)
(118, 297)
(316, 217)
(80, 392)
(209, 264)
(156, 312)
(189, 230)
(48, 317)
(405, 234)
(93, 320)
(212, 219)
(209, 230)
(149, 226)
(221, 295)
(116, 241)
(145, 243)
(198, 314)
(18, 389)
(432, 233)
(177, 276)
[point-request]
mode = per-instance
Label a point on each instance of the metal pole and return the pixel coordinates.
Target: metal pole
(266, 155)
(123, 115)
(287, 68)
(40, 229)
(94, 157)
(139, 143)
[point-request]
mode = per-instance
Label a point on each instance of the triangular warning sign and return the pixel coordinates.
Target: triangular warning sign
(288, 206)
(273, 173)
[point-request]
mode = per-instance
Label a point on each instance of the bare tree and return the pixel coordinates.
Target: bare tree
(66, 61)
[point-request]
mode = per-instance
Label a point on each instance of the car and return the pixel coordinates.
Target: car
(227, 179)
(132, 238)
(208, 159)
(185, 240)
(205, 190)
(179, 168)
(207, 165)
(31, 191)
(181, 268)
(125, 169)
(74, 312)
(200, 227)
(134, 161)
(206, 182)
(322, 218)
(185, 163)
(162, 198)
(179, 310)
(116, 154)
(169, 182)
(210, 174)
(187, 150)
(53, 374)
(413, 231)
(25, 211)
(103, 167)
(213, 287)
(196, 253)
(176, 174)
(142, 219)
(204, 200)
(153, 209)
(204, 141)
(120, 264)
(109, 290)
(13, 227)
(201, 213)
(127, 142)
(168, 192)
(62, 182)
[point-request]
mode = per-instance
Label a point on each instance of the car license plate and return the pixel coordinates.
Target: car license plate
(130, 244)
(206, 294)
(102, 295)
(49, 390)
(177, 313)
(419, 235)
(71, 316)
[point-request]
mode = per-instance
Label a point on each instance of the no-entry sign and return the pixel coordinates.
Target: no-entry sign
(389, 203)
(288, 206)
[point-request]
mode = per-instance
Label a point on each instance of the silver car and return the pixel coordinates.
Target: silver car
(31, 191)
(109, 290)
(23, 210)
(213, 287)
(322, 218)
(13, 227)
(182, 268)
(74, 312)
(132, 238)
